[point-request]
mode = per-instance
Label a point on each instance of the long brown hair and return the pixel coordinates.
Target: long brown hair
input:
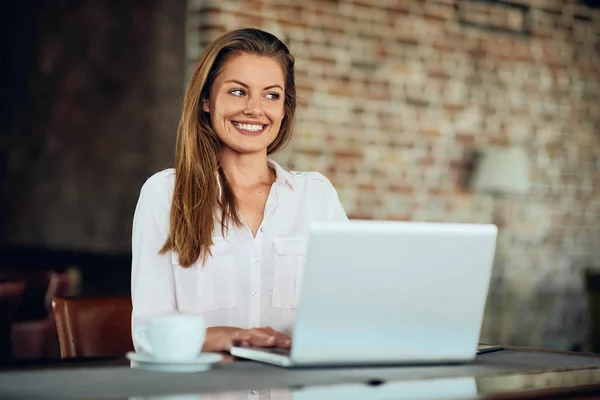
(197, 201)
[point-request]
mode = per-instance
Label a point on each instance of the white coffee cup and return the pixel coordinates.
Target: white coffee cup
(172, 337)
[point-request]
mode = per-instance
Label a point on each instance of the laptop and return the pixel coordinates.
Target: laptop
(389, 293)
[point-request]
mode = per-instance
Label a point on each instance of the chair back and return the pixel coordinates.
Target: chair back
(10, 299)
(58, 286)
(93, 326)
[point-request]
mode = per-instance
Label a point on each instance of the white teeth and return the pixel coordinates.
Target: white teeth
(250, 127)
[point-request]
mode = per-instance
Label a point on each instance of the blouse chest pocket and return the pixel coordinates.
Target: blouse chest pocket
(215, 280)
(290, 255)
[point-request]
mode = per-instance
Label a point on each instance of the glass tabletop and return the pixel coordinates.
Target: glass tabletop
(496, 374)
(435, 389)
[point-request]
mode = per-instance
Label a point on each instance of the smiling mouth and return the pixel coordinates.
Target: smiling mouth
(249, 129)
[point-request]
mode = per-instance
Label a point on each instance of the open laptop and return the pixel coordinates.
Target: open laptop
(384, 292)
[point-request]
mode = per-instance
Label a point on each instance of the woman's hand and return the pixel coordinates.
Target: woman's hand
(222, 338)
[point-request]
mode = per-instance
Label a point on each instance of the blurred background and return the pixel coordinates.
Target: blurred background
(424, 110)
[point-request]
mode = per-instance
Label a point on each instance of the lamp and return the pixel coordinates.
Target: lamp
(501, 170)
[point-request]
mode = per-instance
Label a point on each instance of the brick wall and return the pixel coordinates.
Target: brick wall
(394, 98)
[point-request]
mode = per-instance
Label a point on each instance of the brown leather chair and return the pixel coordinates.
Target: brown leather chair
(10, 298)
(93, 327)
(37, 338)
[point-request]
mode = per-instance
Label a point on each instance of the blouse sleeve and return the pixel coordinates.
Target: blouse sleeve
(152, 281)
(336, 209)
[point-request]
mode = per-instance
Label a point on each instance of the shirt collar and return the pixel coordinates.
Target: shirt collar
(282, 177)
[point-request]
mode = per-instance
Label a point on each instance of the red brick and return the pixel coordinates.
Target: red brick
(466, 138)
(309, 152)
(431, 133)
(304, 88)
(400, 217)
(500, 140)
(341, 91)
(438, 74)
(426, 161)
(364, 215)
(253, 5)
(348, 155)
(290, 24)
(444, 47)
(321, 60)
(366, 187)
(243, 19)
(404, 189)
(453, 108)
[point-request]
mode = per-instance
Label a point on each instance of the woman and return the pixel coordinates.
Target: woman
(223, 235)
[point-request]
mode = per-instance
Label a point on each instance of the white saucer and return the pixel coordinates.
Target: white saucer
(203, 362)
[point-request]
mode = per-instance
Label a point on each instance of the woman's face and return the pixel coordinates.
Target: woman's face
(246, 103)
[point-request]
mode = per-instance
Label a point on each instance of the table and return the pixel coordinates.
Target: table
(511, 373)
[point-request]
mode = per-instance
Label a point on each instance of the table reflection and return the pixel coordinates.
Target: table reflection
(439, 389)
(442, 389)
(537, 381)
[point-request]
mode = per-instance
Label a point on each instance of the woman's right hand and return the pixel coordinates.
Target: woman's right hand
(222, 338)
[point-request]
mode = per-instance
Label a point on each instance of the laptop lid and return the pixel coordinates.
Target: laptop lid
(386, 292)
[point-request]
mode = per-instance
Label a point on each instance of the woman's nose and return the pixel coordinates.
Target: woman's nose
(253, 108)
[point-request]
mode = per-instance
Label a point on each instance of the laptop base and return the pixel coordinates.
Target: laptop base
(282, 357)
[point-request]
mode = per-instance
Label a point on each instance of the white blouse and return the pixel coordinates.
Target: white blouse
(249, 281)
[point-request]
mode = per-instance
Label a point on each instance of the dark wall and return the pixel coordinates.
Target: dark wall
(90, 100)
(91, 108)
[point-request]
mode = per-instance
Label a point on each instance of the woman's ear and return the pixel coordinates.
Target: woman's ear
(205, 106)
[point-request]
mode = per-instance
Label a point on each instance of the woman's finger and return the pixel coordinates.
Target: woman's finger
(255, 338)
(281, 340)
(263, 340)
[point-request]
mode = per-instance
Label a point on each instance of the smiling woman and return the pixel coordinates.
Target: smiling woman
(246, 103)
(223, 235)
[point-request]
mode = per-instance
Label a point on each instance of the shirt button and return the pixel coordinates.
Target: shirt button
(262, 229)
(254, 392)
(255, 294)
(255, 260)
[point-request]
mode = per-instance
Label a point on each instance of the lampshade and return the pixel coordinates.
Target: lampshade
(502, 170)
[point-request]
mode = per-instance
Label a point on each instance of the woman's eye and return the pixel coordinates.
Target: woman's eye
(237, 92)
(273, 96)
